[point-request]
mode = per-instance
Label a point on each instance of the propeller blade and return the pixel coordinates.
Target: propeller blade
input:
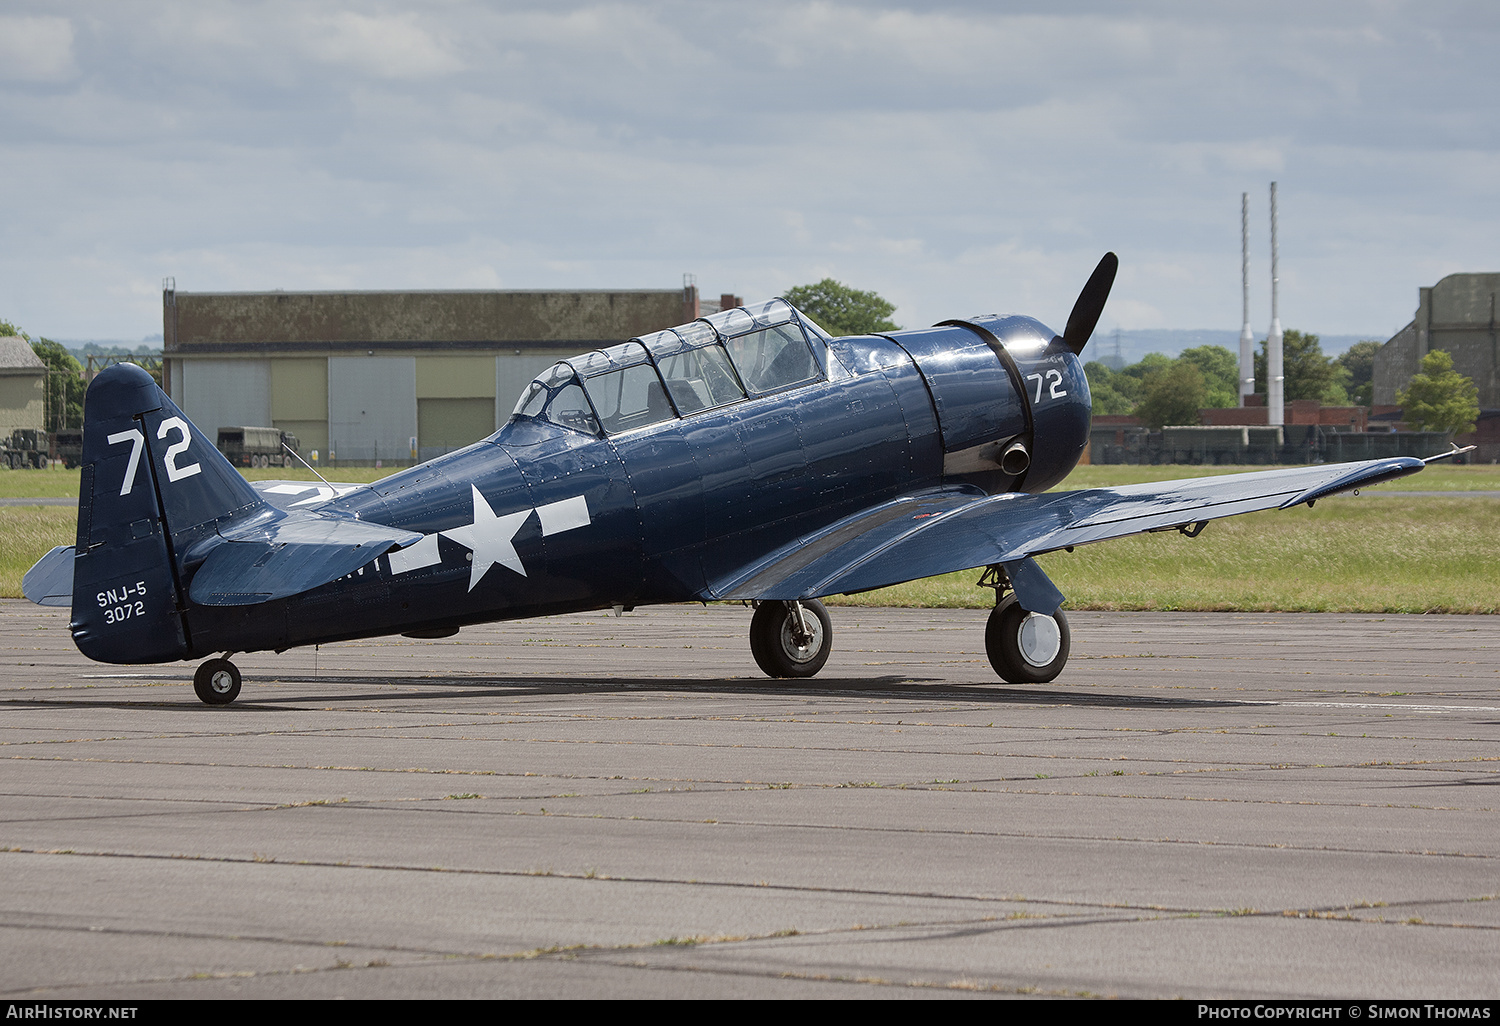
(1090, 305)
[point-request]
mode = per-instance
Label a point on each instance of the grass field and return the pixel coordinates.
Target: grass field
(1440, 477)
(57, 483)
(1382, 553)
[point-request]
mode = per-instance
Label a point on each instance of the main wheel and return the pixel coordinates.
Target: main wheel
(217, 682)
(1025, 647)
(781, 646)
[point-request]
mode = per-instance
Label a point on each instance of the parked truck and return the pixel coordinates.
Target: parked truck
(24, 447)
(257, 446)
(67, 445)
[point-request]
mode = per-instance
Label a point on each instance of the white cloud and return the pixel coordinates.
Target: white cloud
(36, 49)
(1130, 314)
(395, 47)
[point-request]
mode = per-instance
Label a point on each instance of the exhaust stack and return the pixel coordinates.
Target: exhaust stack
(1015, 460)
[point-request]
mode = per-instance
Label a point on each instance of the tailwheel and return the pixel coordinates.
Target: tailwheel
(791, 639)
(1026, 647)
(217, 682)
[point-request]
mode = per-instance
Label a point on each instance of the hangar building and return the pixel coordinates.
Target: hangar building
(23, 386)
(1457, 315)
(359, 375)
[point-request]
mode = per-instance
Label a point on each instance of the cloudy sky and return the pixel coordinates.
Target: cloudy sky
(956, 157)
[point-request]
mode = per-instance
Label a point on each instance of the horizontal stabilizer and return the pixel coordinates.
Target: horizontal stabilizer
(289, 556)
(49, 582)
(291, 495)
(939, 532)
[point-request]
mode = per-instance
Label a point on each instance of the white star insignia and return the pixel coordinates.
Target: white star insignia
(491, 538)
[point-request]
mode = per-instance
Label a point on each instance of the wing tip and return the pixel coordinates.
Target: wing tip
(1367, 474)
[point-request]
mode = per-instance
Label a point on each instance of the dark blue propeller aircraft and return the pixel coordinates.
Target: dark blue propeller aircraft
(744, 456)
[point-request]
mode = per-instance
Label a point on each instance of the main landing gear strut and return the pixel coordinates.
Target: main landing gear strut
(1024, 647)
(791, 639)
(217, 681)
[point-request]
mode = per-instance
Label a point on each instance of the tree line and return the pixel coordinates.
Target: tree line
(1161, 390)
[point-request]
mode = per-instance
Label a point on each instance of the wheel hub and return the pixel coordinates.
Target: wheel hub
(1040, 639)
(799, 647)
(222, 681)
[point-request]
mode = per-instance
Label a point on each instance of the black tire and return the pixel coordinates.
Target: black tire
(774, 643)
(217, 682)
(1017, 649)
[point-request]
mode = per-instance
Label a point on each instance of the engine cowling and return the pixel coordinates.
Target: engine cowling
(1055, 391)
(1011, 399)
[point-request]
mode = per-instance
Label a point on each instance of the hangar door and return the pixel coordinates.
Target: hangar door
(372, 407)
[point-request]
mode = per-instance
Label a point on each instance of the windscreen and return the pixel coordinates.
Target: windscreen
(556, 397)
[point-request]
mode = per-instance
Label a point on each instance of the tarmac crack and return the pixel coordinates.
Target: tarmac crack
(628, 955)
(761, 885)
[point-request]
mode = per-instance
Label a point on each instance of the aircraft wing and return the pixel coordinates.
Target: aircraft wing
(939, 532)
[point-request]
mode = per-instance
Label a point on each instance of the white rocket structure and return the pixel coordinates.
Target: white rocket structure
(1275, 376)
(1247, 338)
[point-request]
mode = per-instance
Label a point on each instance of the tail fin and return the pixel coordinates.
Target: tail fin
(151, 489)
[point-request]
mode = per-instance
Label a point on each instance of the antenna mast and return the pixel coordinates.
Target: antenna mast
(1275, 375)
(1247, 338)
